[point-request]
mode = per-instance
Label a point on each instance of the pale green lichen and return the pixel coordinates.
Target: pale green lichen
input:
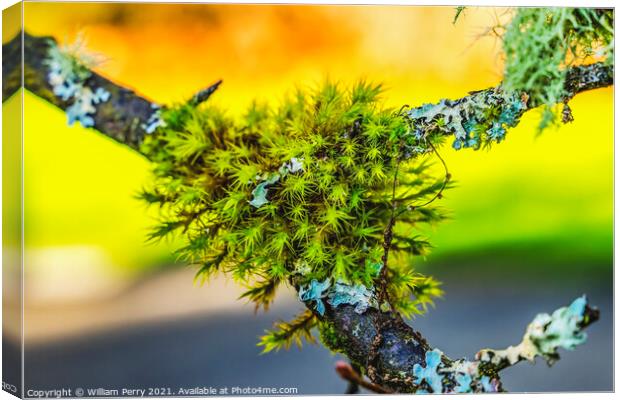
(561, 329)
(69, 69)
(540, 44)
(544, 335)
(259, 194)
(355, 295)
(479, 118)
(301, 267)
(453, 119)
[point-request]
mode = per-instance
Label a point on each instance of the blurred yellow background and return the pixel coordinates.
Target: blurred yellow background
(552, 191)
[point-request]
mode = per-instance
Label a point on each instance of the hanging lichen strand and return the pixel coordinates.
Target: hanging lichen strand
(540, 44)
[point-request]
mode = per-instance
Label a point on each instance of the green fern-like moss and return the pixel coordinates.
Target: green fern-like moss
(301, 194)
(323, 165)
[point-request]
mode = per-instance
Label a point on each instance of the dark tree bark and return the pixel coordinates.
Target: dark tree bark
(388, 348)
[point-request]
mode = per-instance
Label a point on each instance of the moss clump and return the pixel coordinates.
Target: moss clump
(307, 193)
(296, 193)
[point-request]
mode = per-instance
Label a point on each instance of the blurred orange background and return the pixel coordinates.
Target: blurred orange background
(167, 52)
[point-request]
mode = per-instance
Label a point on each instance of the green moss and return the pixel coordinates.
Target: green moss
(335, 152)
(287, 333)
(331, 338)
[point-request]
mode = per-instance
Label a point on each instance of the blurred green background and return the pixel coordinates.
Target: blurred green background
(548, 197)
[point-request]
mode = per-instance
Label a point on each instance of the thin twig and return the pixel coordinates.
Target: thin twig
(204, 94)
(347, 373)
(439, 193)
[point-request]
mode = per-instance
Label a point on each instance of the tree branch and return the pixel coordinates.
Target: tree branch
(391, 353)
(587, 77)
(406, 363)
(483, 116)
(124, 116)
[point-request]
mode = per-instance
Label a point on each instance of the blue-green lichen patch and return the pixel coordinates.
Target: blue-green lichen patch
(480, 118)
(355, 295)
(543, 337)
(463, 383)
(315, 291)
(83, 106)
(155, 120)
(466, 376)
(68, 73)
(337, 294)
(259, 194)
(488, 384)
(428, 375)
(293, 166)
(460, 376)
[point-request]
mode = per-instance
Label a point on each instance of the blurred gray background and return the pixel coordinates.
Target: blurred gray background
(482, 307)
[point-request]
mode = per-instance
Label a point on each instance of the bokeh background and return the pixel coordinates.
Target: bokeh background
(531, 227)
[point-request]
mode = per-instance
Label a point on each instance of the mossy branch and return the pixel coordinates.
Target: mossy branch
(390, 352)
